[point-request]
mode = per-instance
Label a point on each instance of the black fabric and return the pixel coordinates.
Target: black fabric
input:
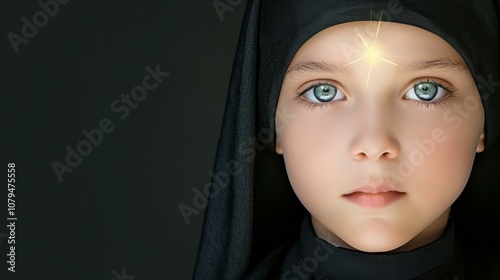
(314, 258)
(253, 216)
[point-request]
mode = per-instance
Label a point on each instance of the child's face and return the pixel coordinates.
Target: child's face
(395, 108)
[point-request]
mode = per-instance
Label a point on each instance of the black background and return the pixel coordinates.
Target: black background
(118, 209)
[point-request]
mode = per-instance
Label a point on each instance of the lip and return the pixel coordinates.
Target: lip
(374, 197)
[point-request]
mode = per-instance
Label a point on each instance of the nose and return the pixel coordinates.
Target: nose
(374, 138)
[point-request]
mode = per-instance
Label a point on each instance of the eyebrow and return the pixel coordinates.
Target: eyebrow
(431, 64)
(434, 64)
(316, 67)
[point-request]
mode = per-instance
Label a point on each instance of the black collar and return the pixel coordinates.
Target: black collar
(318, 259)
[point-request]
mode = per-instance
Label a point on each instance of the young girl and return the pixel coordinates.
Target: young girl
(350, 133)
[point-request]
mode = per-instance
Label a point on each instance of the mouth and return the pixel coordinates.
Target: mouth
(374, 197)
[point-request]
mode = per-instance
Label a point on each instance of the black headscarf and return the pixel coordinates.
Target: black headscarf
(252, 210)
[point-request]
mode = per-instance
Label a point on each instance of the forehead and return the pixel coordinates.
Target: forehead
(404, 46)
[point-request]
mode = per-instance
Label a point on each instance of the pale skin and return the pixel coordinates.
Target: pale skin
(369, 128)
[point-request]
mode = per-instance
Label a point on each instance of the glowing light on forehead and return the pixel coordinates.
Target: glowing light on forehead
(372, 52)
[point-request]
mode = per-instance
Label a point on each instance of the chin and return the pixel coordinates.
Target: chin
(375, 245)
(377, 240)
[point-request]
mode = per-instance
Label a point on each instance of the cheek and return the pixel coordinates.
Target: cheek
(441, 155)
(314, 151)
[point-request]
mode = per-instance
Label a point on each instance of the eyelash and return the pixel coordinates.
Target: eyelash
(316, 106)
(450, 91)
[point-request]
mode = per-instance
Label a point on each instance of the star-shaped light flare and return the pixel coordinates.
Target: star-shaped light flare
(373, 52)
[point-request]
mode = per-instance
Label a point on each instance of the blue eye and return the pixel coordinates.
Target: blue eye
(322, 93)
(426, 91)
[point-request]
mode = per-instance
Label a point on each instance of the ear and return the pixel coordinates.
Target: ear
(480, 144)
(278, 148)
